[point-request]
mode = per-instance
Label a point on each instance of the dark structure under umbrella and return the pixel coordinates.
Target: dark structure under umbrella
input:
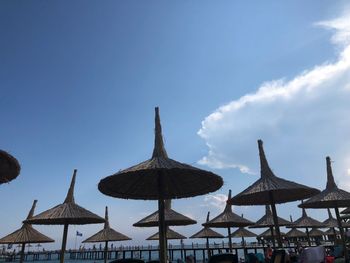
(170, 234)
(171, 217)
(106, 235)
(25, 235)
(228, 219)
(272, 190)
(241, 232)
(207, 233)
(9, 167)
(68, 213)
(160, 178)
(267, 221)
(306, 222)
(331, 197)
(331, 234)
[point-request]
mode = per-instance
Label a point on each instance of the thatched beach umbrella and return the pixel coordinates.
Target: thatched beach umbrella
(228, 219)
(316, 233)
(241, 232)
(160, 178)
(171, 217)
(331, 197)
(9, 167)
(346, 211)
(267, 221)
(331, 234)
(26, 234)
(306, 222)
(295, 233)
(207, 233)
(68, 213)
(170, 234)
(272, 190)
(105, 235)
(267, 234)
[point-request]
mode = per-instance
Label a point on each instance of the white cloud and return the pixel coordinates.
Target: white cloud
(217, 201)
(302, 120)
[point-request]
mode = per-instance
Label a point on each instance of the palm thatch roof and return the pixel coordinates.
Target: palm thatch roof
(330, 232)
(268, 234)
(331, 221)
(227, 218)
(142, 181)
(331, 197)
(259, 193)
(207, 232)
(267, 220)
(346, 211)
(172, 218)
(316, 232)
(295, 233)
(242, 232)
(26, 234)
(9, 167)
(67, 213)
(170, 234)
(107, 233)
(305, 222)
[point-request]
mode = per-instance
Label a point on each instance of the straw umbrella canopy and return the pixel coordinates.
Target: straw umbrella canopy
(171, 217)
(346, 211)
(26, 234)
(331, 197)
(105, 235)
(67, 213)
(9, 167)
(331, 233)
(295, 233)
(160, 178)
(228, 219)
(241, 232)
(315, 232)
(207, 233)
(267, 221)
(170, 234)
(306, 222)
(267, 234)
(271, 190)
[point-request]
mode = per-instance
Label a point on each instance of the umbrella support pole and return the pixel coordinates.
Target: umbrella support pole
(308, 237)
(22, 253)
(229, 239)
(273, 237)
(208, 249)
(275, 220)
(106, 252)
(346, 253)
(64, 242)
(162, 228)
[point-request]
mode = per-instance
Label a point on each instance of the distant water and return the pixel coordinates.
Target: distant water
(154, 256)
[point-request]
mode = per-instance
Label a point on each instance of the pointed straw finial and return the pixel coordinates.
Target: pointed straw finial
(329, 213)
(291, 218)
(159, 150)
(208, 217)
(70, 194)
(242, 216)
(31, 212)
(106, 218)
(228, 207)
(167, 204)
(330, 179)
(265, 170)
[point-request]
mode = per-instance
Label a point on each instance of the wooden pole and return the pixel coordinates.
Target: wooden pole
(162, 230)
(275, 220)
(229, 239)
(208, 249)
(22, 253)
(106, 252)
(308, 237)
(273, 237)
(346, 253)
(64, 242)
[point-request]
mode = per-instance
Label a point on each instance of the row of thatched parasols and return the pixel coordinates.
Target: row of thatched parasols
(161, 178)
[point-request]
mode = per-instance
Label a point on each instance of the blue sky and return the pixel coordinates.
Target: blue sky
(79, 81)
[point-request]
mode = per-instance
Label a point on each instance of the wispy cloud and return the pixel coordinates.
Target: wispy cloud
(303, 119)
(217, 201)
